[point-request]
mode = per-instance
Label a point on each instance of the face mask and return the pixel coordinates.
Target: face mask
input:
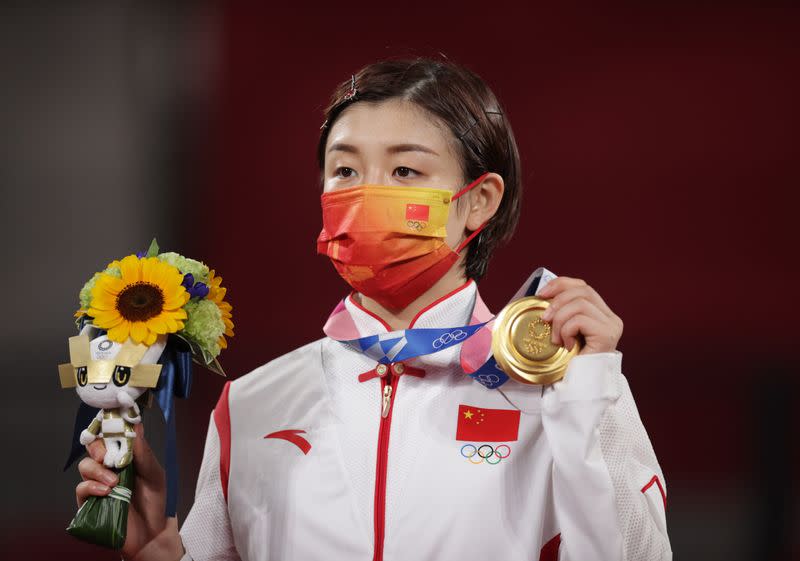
(388, 242)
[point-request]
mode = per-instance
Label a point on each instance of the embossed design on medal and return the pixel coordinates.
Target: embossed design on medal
(522, 345)
(538, 335)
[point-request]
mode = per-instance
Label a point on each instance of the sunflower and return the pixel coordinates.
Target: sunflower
(216, 293)
(146, 301)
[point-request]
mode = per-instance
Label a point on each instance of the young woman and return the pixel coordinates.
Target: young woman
(344, 451)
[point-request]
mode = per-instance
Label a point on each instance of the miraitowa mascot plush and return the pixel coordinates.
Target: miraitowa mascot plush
(144, 320)
(110, 377)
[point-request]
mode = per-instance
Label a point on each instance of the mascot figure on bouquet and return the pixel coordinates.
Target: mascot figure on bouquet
(111, 376)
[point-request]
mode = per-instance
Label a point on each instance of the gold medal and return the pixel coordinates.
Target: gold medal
(522, 345)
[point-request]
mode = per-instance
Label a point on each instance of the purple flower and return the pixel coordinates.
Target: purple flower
(199, 290)
(141, 254)
(188, 281)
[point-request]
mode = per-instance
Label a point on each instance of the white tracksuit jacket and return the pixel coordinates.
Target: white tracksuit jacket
(300, 464)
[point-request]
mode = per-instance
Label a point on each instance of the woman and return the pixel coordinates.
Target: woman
(330, 452)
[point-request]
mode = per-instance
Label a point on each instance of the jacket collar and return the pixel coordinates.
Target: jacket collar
(453, 309)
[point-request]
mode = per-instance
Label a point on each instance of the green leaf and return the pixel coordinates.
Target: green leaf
(152, 251)
(214, 366)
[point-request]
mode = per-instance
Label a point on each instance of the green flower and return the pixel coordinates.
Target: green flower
(85, 294)
(204, 325)
(185, 265)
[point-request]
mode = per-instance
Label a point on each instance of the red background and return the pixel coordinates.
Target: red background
(659, 153)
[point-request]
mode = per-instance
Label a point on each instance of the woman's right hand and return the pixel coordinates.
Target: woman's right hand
(151, 536)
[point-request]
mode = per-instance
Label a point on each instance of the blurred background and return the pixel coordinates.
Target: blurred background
(659, 144)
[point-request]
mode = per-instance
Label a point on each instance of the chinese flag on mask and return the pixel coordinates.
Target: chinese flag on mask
(487, 425)
(418, 212)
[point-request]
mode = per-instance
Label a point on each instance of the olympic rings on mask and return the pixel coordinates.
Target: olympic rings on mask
(474, 450)
(416, 225)
(447, 338)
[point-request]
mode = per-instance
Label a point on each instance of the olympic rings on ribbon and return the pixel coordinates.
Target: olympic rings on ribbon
(485, 452)
(488, 379)
(448, 338)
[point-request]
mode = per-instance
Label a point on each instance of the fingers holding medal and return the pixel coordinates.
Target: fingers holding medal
(576, 311)
(535, 337)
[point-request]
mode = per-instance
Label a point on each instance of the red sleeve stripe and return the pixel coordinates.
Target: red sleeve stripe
(222, 419)
(657, 481)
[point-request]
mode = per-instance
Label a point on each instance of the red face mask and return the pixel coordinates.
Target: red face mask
(388, 242)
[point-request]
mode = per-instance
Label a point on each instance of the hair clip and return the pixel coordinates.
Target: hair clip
(351, 93)
(475, 121)
(469, 128)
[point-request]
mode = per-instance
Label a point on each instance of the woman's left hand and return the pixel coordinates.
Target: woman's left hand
(575, 307)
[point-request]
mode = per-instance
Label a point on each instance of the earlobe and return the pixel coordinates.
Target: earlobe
(485, 200)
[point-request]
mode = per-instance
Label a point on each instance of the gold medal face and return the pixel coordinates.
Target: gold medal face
(522, 345)
(531, 336)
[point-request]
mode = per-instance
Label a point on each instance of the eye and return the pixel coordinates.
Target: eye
(82, 376)
(344, 172)
(121, 375)
(404, 171)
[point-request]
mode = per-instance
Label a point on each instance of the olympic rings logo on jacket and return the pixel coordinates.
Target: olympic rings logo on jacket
(485, 452)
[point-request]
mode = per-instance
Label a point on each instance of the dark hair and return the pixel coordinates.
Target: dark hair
(461, 100)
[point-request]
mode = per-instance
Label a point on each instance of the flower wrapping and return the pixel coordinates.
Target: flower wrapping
(104, 520)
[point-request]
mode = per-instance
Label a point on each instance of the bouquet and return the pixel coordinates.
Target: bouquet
(142, 322)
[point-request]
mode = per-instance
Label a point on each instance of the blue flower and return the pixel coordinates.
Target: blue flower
(199, 290)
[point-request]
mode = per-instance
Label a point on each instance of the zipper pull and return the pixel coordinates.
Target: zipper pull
(387, 400)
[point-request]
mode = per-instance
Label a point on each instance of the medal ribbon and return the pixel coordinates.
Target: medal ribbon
(475, 338)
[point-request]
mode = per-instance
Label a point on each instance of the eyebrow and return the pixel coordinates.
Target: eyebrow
(396, 149)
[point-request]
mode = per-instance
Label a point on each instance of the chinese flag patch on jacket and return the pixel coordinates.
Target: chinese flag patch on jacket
(487, 425)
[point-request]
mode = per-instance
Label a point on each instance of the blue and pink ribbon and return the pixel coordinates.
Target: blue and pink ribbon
(475, 338)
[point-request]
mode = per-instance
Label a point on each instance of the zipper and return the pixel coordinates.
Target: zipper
(387, 400)
(388, 391)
